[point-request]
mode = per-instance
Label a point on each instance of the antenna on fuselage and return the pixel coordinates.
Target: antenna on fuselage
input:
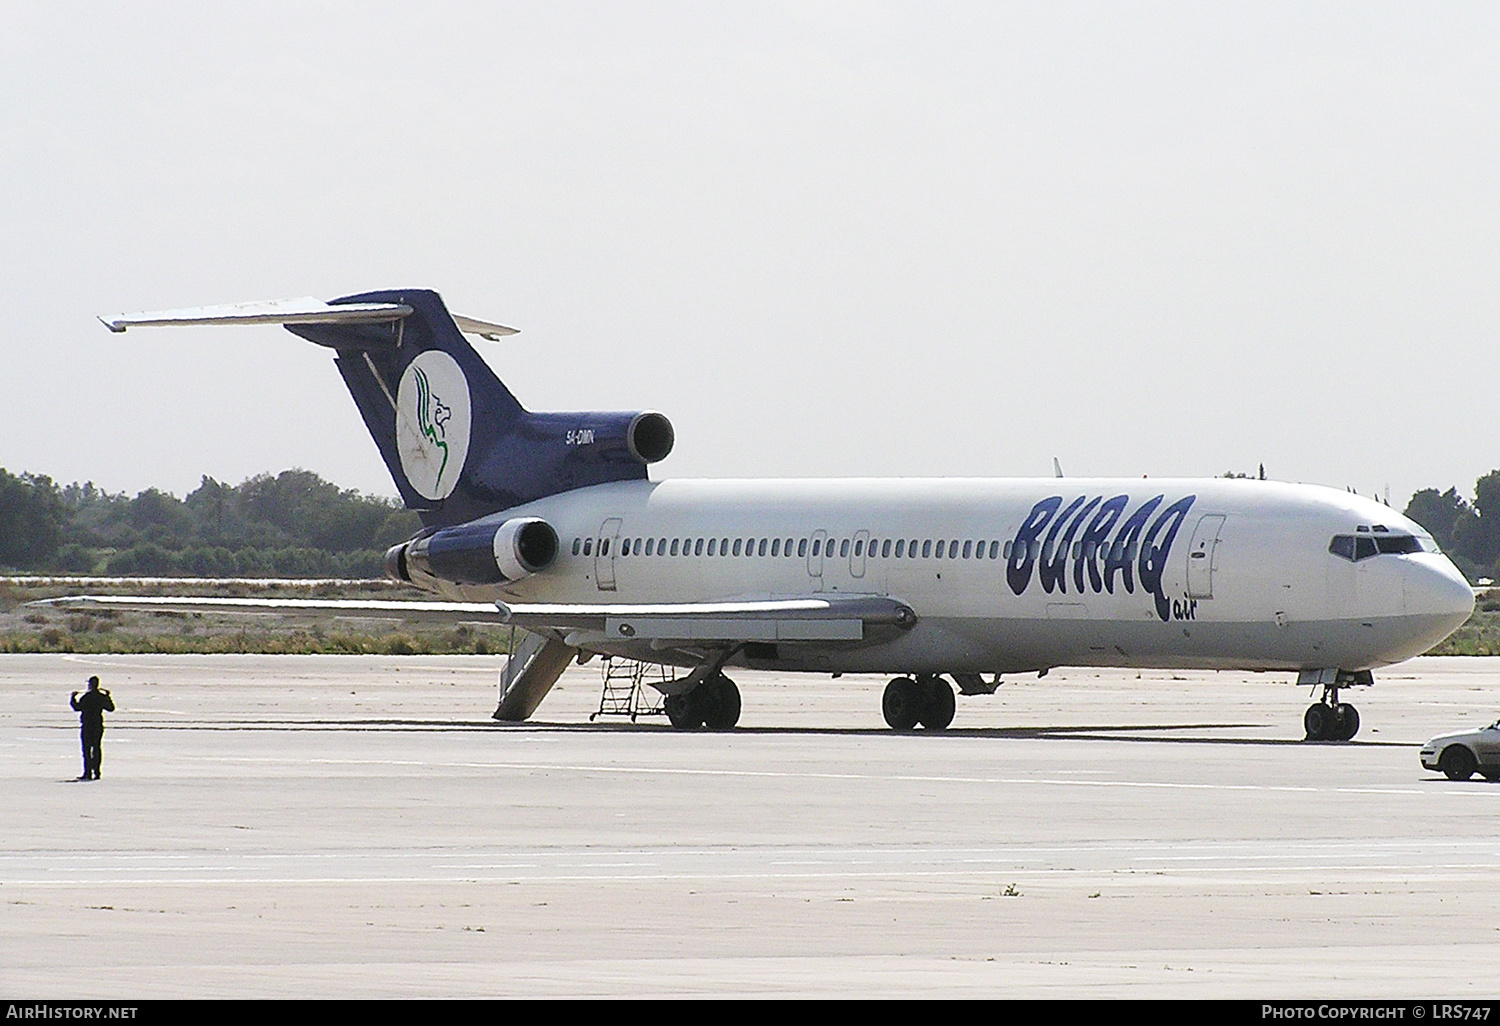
(1057, 467)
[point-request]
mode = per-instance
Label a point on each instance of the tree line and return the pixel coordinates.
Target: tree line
(1469, 532)
(293, 524)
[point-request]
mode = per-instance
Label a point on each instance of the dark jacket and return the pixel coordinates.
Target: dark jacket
(91, 707)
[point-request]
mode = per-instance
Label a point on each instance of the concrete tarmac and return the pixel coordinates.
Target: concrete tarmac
(341, 826)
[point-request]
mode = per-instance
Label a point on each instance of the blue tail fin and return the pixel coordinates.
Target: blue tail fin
(456, 441)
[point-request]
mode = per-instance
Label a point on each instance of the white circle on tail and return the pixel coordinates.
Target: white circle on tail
(432, 423)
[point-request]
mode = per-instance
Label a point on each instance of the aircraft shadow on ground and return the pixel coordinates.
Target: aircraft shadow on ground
(1150, 733)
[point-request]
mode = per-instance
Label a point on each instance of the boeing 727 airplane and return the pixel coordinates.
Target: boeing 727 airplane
(550, 522)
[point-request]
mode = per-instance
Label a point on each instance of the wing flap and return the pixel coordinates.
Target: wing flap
(675, 628)
(820, 618)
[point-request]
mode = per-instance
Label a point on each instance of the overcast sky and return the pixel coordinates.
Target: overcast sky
(825, 238)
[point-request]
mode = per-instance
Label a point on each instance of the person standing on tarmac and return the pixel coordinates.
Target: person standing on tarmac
(91, 709)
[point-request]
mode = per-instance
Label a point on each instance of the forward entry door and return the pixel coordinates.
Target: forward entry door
(1203, 556)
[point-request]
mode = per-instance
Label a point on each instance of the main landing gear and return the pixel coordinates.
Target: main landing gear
(714, 703)
(1328, 719)
(927, 700)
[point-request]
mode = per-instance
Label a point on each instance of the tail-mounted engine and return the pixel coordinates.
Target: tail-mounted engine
(594, 438)
(649, 437)
(476, 553)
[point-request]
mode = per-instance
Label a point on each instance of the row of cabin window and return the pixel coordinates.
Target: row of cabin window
(1118, 552)
(878, 548)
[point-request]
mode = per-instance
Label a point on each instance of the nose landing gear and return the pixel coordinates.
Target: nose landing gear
(1331, 721)
(1328, 719)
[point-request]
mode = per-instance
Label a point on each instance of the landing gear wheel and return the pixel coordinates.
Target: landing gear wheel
(1319, 722)
(1491, 775)
(938, 703)
(720, 703)
(902, 703)
(1347, 721)
(1457, 763)
(1328, 719)
(684, 711)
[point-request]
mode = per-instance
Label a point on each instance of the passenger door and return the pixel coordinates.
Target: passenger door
(857, 554)
(815, 558)
(1203, 555)
(604, 554)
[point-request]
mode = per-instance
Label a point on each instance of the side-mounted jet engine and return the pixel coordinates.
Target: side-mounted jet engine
(476, 553)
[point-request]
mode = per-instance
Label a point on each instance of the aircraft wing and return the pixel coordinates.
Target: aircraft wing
(442, 612)
(810, 618)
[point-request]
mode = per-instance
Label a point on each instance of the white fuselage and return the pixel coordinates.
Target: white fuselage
(1033, 573)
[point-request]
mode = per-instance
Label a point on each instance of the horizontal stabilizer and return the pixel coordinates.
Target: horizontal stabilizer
(275, 311)
(484, 329)
(306, 310)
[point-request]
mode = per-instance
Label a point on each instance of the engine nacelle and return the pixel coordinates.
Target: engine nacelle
(476, 553)
(650, 437)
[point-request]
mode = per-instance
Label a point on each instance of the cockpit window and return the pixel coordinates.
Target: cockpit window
(1355, 547)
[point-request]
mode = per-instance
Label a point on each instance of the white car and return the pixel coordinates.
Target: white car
(1457, 756)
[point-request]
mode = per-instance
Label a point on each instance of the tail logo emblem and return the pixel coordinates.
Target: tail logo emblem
(432, 423)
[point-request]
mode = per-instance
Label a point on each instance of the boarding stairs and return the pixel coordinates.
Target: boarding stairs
(534, 664)
(627, 688)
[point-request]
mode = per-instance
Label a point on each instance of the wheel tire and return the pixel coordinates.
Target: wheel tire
(1319, 722)
(1457, 763)
(721, 704)
(1491, 775)
(1348, 722)
(685, 711)
(901, 703)
(938, 704)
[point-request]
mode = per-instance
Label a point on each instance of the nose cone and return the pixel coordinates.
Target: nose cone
(1437, 601)
(1435, 589)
